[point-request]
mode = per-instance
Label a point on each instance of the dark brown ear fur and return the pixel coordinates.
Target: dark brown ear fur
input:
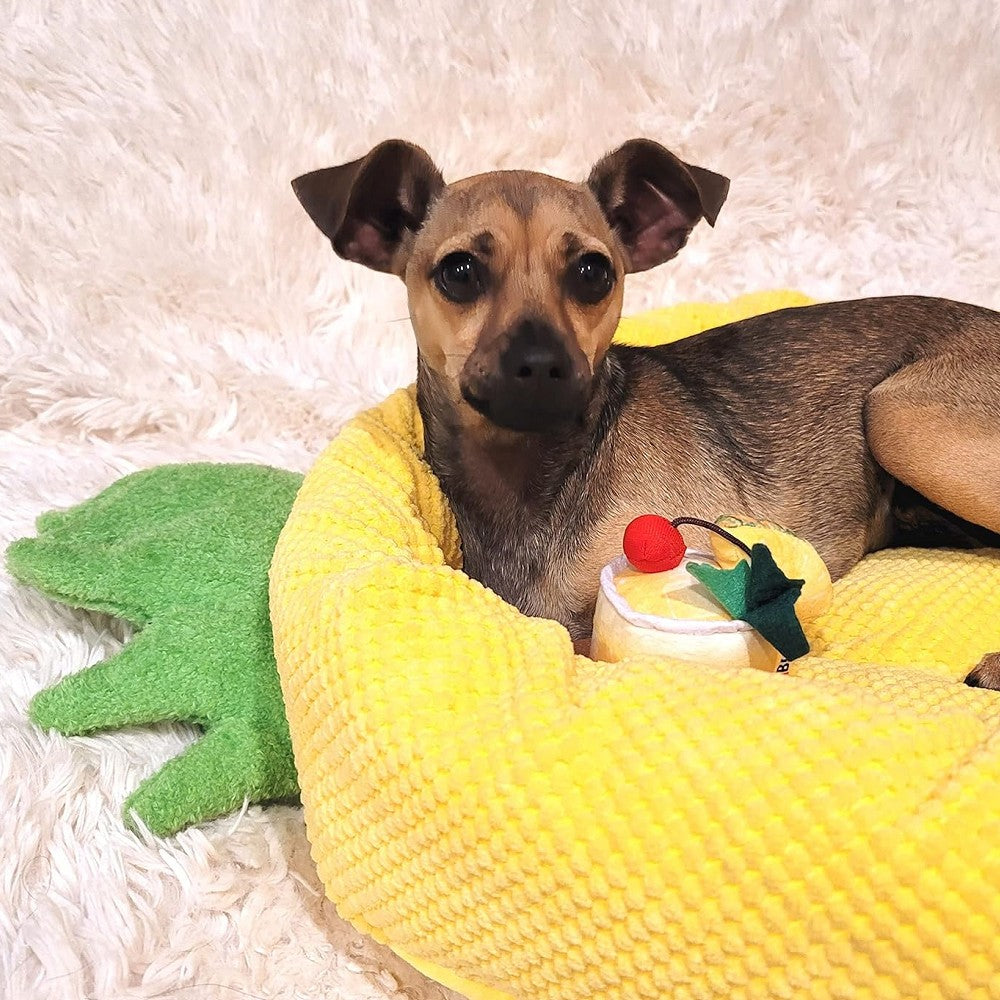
(370, 208)
(653, 200)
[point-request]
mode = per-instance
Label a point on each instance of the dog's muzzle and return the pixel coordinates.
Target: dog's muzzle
(535, 385)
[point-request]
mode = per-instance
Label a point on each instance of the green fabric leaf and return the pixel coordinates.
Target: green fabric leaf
(759, 593)
(771, 598)
(182, 552)
(727, 586)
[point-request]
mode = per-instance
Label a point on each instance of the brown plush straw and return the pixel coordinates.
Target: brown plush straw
(698, 522)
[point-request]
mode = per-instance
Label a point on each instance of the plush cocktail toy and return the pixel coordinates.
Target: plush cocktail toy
(740, 605)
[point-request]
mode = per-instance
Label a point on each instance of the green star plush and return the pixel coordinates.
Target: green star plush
(759, 593)
(181, 552)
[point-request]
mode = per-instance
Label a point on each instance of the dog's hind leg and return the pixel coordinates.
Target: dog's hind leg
(935, 426)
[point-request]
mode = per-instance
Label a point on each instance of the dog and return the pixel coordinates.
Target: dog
(857, 424)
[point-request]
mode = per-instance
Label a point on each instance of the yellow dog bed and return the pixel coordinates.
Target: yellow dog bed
(521, 822)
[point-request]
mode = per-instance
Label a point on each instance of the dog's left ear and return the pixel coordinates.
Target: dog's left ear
(653, 200)
(370, 208)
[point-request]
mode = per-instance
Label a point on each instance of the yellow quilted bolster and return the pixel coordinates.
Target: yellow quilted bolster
(524, 823)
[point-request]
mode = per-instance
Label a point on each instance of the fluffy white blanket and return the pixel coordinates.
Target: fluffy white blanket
(163, 298)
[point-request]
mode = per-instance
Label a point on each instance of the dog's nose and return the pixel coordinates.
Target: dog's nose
(535, 358)
(537, 384)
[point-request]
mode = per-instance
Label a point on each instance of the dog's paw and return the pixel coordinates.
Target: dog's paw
(986, 674)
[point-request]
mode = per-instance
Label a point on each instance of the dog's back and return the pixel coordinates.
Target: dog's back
(778, 401)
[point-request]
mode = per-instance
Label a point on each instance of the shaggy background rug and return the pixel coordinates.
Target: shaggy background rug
(163, 298)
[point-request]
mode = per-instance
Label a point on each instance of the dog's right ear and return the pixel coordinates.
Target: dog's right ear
(371, 208)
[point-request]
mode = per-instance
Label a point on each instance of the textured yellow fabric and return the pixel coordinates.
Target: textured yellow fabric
(525, 823)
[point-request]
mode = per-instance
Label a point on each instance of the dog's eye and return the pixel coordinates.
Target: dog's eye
(590, 278)
(459, 277)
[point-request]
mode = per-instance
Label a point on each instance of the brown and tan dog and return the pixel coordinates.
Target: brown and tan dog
(856, 424)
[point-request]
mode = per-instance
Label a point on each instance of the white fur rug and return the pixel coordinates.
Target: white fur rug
(163, 298)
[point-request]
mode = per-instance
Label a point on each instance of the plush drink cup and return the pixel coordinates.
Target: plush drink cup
(670, 614)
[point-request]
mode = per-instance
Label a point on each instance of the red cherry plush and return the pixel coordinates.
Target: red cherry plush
(652, 544)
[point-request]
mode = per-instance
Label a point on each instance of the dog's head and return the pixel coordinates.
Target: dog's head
(514, 278)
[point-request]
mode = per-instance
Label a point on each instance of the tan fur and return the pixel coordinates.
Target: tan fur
(854, 424)
(940, 450)
(935, 425)
(987, 673)
(656, 443)
(527, 219)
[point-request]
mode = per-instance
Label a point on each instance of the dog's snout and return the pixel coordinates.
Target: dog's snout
(538, 382)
